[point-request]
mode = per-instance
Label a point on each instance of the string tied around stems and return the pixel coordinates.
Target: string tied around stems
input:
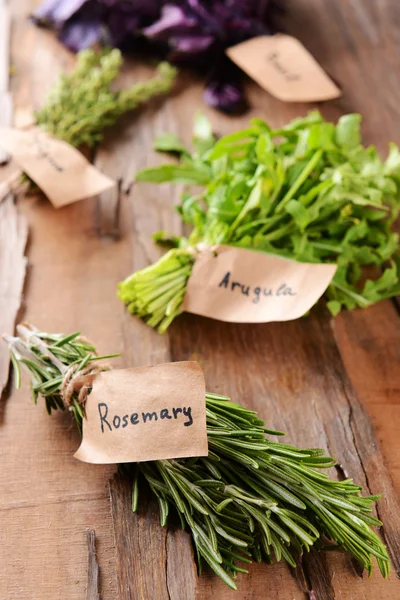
(80, 380)
(77, 379)
(200, 248)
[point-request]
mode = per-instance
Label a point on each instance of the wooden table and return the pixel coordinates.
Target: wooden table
(327, 382)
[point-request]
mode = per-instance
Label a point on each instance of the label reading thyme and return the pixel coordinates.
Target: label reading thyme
(59, 170)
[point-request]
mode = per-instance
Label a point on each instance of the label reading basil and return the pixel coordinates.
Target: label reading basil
(283, 66)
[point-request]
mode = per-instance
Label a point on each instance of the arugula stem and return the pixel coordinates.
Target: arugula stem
(361, 301)
(308, 169)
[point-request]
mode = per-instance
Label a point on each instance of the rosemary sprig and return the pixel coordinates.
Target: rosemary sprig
(250, 499)
(83, 104)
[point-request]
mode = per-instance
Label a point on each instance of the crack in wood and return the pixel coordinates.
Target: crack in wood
(92, 592)
(107, 209)
(166, 566)
(393, 555)
(13, 240)
(318, 577)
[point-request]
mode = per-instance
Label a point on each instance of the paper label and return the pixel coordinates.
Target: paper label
(148, 413)
(281, 65)
(245, 286)
(6, 186)
(24, 117)
(60, 170)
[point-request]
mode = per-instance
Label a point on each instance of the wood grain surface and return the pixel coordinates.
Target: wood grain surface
(92, 591)
(13, 226)
(331, 383)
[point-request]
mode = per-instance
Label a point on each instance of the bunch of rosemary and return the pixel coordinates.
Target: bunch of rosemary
(83, 102)
(309, 191)
(250, 498)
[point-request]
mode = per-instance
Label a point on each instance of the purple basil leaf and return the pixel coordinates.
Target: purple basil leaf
(57, 11)
(121, 25)
(226, 96)
(78, 35)
(195, 33)
(191, 44)
(173, 21)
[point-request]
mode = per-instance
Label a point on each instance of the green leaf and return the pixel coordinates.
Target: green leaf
(169, 142)
(202, 129)
(203, 139)
(348, 131)
(308, 191)
(321, 136)
(386, 286)
(252, 202)
(230, 143)
(186, 173)
(392, 164)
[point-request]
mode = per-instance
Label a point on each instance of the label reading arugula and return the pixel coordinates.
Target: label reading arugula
(244, 286)
(281, 65)
(147, 413)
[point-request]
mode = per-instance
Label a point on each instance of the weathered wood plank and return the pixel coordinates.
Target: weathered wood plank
(317, 573)
(13, 238)
(13, 226)
(92, 592)
(291, 373)
(120, 157)
(369, 343)
(47, 498)
(5, 36)
(5, 96)
(140, 545)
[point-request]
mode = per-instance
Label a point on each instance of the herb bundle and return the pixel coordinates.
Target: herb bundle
(189, 32)
(83, 102)
(309, 191)
(250, 498)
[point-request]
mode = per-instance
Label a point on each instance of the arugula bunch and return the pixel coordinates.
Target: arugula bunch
(251, 498)
(309, 191)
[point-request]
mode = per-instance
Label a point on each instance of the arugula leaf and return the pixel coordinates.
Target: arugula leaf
(169, 142)
(348, 131)
(185, 173)
(203, 138)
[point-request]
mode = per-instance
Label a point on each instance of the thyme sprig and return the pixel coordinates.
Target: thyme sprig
(250, 499)
(83, 103)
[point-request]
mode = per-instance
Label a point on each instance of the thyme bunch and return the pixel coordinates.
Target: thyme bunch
(83, 103)
(250, 499)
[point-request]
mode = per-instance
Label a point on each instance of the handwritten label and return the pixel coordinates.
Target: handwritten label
(281, 65)
(148, 413)
(60, 170)
(24, 117)
(246, 286)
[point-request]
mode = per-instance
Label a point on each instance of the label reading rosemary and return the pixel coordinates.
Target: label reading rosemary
(244, 286)
(148, 413)
(281, 65)
(60, 170)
